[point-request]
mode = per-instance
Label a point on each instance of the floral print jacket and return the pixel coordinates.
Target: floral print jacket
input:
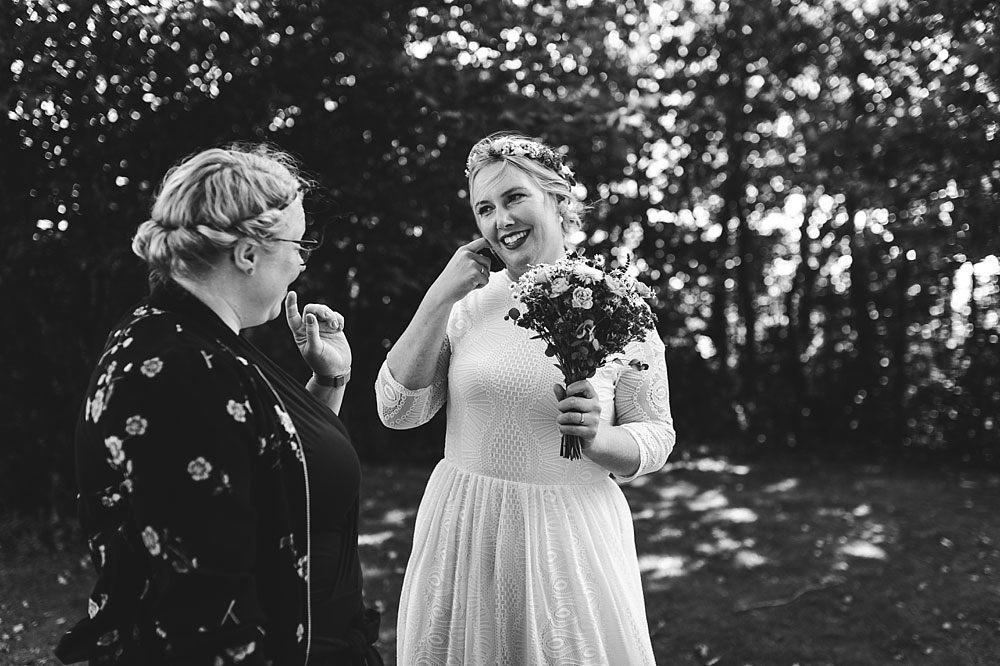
(192, 489)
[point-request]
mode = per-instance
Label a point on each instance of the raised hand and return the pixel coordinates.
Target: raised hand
(319, 334)
(464, 272)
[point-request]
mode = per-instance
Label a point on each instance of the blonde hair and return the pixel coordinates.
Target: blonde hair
(570, 208)
(210, 200)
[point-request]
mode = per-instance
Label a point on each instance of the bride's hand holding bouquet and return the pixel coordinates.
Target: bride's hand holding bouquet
(585, 314)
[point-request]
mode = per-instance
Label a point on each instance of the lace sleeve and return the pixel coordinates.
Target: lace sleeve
(401, 408)
(642, 405)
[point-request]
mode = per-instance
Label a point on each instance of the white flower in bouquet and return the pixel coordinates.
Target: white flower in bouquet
(560, 285)
(588, 273)
(583, 298)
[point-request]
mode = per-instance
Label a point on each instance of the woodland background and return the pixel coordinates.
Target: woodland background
(811, 187)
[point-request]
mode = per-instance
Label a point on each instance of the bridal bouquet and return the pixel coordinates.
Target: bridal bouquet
(585, 313)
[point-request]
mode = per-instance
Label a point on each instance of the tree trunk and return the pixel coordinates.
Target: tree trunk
(733, 192)
(799, 309)
(745, 289)
(900, 351)
(865, 366)
(974, 322)
(718, 325)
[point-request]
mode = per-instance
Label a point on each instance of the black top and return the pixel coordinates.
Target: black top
(334, 490)
(195, 496)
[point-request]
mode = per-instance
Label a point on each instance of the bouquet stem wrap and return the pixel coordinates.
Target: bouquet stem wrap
(584, 314)
(572, 445)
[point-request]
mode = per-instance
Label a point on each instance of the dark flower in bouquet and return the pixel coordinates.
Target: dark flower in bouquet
(585, 314)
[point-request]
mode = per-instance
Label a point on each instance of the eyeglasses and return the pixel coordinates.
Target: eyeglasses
(306, 246)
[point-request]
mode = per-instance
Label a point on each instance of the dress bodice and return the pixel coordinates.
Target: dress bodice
(501, 405)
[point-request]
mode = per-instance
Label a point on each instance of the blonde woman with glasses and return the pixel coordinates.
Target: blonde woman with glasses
(219, 496)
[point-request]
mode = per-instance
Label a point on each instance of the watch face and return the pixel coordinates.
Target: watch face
(333, 381)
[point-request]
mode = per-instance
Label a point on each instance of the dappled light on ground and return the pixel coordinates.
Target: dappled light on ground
(708, 500)
(672, 493)
(708, 464)
(663, 566)
(783, 486)
(757, 558)
(398, 516)
(374, 539)
(862, 549)
(734, 514)
(750, 565)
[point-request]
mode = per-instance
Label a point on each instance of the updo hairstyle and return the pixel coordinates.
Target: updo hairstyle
(548, 178)
(209, 201)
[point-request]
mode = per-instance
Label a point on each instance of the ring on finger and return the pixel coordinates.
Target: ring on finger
(581, 418)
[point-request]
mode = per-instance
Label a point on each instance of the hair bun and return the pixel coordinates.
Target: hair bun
(169, 249)
(208, 201)
(150, 244)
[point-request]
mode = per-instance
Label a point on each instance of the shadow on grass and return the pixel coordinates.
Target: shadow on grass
(837, 565)
(742, 565)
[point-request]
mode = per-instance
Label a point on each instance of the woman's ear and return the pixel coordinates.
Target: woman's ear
(562, 206)
(245, 255)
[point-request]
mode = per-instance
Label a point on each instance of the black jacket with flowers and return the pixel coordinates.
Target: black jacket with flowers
(192, 497)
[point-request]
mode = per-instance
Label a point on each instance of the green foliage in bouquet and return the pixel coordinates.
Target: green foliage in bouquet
(585, 314)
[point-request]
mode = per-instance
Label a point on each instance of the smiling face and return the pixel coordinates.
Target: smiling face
(518, 219)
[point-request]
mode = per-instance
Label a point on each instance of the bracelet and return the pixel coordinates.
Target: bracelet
(333, 381)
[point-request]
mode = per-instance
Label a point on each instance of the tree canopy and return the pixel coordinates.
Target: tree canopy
(811, 186)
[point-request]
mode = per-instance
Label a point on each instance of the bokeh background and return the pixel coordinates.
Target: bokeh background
(812, 188)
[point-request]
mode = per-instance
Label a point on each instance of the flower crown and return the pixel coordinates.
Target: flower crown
(511, 145)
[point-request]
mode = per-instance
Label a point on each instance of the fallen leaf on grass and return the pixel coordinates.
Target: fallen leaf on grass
(704, 655)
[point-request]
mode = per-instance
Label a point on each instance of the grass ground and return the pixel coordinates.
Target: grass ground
(761, 565)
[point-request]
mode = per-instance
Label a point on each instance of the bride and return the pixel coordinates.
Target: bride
(520, 556)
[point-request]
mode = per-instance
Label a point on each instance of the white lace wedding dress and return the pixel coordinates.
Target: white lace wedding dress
(521, 557)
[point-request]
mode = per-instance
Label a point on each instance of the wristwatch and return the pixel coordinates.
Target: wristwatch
(333, 381)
